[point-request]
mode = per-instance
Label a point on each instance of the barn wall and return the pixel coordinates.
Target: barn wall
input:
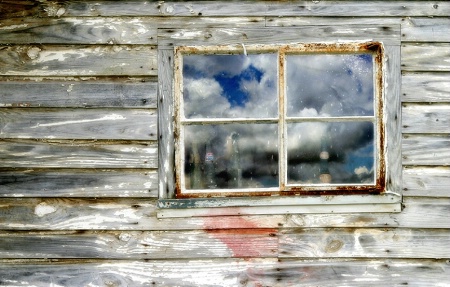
(79, 156)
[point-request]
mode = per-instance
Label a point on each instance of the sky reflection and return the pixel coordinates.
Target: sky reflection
(239, 86)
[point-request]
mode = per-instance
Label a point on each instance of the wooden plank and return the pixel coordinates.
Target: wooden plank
(77, 154)
(78, 92)
(112, 60)
(166, 151)
(426, 29)
(124, 124)
(426, 150)
(244, 8)
(215, 8)
(106, 30)
(225, 272)
(167, 38)
(292, 21)
(426, 87)
(140, 214)
(78, 31)
(365, 243)
(426, 118)
(426, 57)
(140, 244)
(142, 8)
(392, 119)
(255, 243)
(360, 8)
(426, 181)
(79, 183)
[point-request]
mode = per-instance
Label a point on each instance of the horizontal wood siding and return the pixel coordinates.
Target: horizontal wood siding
(226, 272)
(79, 150)
(78, 92)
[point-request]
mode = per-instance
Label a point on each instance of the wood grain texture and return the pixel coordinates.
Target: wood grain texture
(425, 29)
(112, 60)
(141, 244)
(358, 9)
(226, 272)
(426, 150)
(291, 21)
(79, 92)
(426, 87)
(241, 8)
(426, 57)
(256, 243)
(140, 214)
(79, 183)
(122, 124)
(390, 243)
(78, 31)
(167, 38)
(77, 154)
(138, 8)
(106, 30)
(393, 119)
(426, 181)
(426, 118)
(166, 113)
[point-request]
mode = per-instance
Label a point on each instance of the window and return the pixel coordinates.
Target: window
(285, 124)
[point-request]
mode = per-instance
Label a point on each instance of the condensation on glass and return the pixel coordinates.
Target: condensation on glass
(279, 119)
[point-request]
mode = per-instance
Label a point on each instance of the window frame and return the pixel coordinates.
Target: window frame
(170, 41)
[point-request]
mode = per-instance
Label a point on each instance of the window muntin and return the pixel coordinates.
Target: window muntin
(239, 117)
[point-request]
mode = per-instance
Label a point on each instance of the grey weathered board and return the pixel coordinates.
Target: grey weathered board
(238, 8)
(120, 124)
(140, 214)
(66, 60)
(106, 30)
(78, 92)
(255, 243)
(79, 183)
(76, 154)
(226, 272)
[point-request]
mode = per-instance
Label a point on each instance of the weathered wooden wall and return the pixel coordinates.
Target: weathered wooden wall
(78, 156)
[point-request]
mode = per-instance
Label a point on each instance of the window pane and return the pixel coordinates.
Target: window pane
(333, 152)
(330, 85)
(230, 86)
(231, 156)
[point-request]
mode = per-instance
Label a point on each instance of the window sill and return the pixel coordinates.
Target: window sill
(386, 202)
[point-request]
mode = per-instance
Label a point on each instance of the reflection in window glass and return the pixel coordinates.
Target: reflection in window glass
(231, 156)
(235, 135)
(230, 86)
(330, 85)
(333, 152)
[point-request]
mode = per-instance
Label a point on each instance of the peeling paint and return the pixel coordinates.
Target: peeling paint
(112, 117)
(43, 209)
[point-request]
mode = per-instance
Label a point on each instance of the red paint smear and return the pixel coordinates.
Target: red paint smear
(243, 237)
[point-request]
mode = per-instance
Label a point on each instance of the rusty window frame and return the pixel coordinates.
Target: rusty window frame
(239, 38)
(373, 48)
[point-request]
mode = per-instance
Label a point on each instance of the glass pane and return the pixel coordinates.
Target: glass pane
(231, 156)
(337, 153)
(330, 85)
(230, 86)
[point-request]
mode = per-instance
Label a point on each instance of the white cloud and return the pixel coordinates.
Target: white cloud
(361, 170)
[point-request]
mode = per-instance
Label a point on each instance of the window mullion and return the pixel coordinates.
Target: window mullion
(282, 162)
